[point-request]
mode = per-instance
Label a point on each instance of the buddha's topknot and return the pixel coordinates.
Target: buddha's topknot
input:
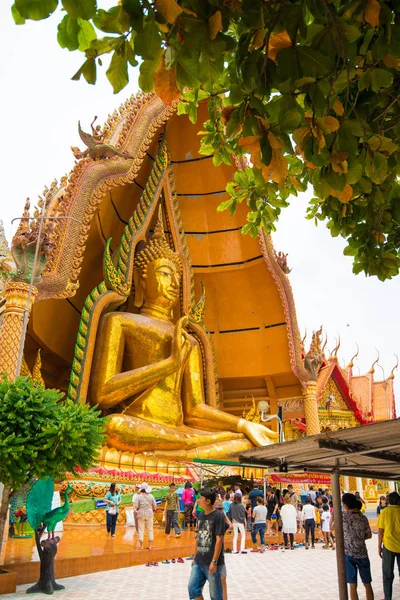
(156, 248)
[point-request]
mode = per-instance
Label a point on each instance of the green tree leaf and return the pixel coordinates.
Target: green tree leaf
(80, 9)
(380, 78)
(86, 34)
(68, 31)
(312, 62)
(147, 70)
(16, 15)
(35, 9)
(187, 71)
(88, 70)
(350, 32)
(148, 42)
(104, 45)
(290, 120)
(117, 72)
(108, 21)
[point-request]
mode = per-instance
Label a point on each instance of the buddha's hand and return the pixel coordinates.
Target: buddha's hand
(257, 433)
(181, 345)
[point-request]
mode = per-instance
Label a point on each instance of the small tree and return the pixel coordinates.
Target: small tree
(42, 435)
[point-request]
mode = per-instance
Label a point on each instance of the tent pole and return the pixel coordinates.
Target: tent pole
(337, 516)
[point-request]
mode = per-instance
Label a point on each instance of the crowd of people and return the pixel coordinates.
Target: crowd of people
(212, 512)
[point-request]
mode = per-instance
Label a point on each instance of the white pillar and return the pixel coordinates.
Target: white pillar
(392, 486)
(359, 486)
(346, 483)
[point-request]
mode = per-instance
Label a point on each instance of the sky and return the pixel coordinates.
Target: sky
(40, 110)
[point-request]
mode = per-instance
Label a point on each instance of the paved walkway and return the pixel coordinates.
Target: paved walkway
(293, 575)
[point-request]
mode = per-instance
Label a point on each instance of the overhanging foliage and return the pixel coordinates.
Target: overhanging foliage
(307, 89)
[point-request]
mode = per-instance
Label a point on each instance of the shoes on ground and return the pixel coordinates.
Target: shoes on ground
(180, 560)
(227, 551)
(190, 557)
(166, 562)
(173, 560)
(243, 552)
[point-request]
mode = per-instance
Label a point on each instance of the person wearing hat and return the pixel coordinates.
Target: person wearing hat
(145, 506)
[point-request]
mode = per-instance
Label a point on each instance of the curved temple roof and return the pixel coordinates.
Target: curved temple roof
(250, 308)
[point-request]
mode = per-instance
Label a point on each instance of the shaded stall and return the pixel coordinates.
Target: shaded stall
(371, 450)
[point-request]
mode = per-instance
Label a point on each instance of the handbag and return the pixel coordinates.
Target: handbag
(112, 510)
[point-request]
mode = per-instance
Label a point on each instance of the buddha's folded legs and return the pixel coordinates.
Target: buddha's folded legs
(219, 450)
(132, 434)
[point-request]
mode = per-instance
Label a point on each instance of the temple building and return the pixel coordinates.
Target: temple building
(142, 181)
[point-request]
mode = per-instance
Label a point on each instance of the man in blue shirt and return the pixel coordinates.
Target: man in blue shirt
(254, 494)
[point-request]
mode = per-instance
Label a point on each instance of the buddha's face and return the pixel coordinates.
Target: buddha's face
(161, 286)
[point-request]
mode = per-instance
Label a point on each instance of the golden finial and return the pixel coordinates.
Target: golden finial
(37, 370)
(23, 226)
(303, 341)
(333, 354)
(372, 369)
(157, 247)
(337, 347)
(26, 208)
(36, 374)
(391, 376)
(159, 228)
(197, 311)
(351, 363)
(25, 372)
(324, 346)
(315, 346)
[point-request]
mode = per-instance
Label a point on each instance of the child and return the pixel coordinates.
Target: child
(356, 530)
(299, 518)
(326, 527)
(228, 525)
(226, 503)
(317, 518)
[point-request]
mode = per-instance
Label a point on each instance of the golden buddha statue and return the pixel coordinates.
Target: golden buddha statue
(147, 372)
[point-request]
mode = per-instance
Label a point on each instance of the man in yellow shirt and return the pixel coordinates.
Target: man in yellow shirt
(389, 541)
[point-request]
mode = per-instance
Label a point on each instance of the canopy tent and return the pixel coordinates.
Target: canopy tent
(371, 450)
